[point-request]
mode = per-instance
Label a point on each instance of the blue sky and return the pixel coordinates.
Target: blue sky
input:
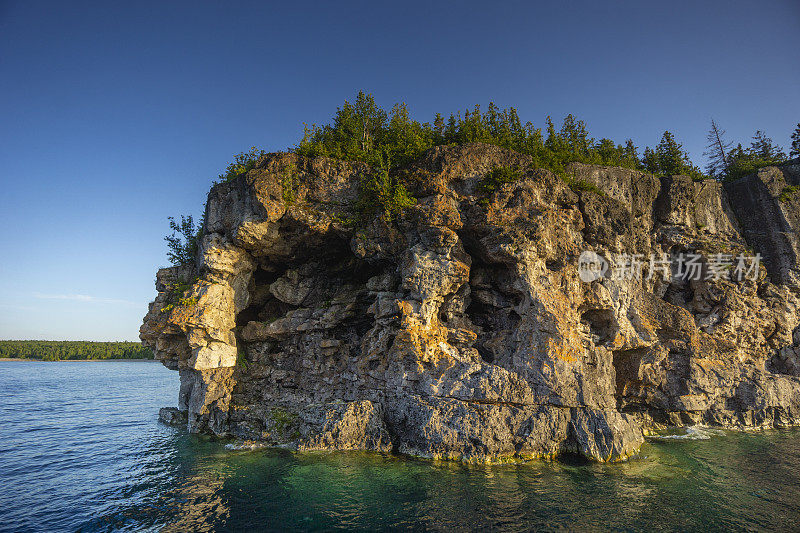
(115, 117)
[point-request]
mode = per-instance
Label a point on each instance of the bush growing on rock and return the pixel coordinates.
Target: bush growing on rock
(182, 243)
(583, 185)
(384, 193)
(177, 295)
(496, 178)
(242, 162)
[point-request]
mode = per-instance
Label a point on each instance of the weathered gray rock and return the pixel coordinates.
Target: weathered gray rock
(357, 425)
(604, 435)
(462, 329)
(769, 212)
(172, 416)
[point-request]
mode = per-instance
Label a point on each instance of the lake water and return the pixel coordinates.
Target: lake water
(81, 450)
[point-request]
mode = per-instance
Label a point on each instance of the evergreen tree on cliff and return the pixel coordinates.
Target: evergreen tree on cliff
(669, 159)
(631, 154)
(795, 150)
(717, 152)
(761, 153)
(763, 148)
(356, 130)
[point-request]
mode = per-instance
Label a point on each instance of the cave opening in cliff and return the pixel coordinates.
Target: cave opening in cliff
(601, 324)
(323, 289)
(626, 371)
(259, 285)
(492, 309)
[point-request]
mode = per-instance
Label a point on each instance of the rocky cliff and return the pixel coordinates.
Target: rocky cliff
(463, 329)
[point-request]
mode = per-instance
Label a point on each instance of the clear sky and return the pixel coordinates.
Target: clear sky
(114, 117)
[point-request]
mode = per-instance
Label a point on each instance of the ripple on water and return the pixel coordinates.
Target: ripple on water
(82, 450)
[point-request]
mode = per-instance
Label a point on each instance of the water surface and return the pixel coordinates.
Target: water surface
(82, 449)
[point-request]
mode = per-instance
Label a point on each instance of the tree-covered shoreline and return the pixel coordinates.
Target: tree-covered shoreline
(73, 350)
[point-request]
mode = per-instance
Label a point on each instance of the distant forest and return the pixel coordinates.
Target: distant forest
(73, 350)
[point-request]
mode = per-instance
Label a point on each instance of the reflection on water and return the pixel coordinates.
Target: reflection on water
(82, 450)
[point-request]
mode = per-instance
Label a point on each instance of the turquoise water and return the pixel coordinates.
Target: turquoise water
(81, 449)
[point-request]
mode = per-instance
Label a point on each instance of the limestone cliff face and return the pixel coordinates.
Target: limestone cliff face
(462, 329)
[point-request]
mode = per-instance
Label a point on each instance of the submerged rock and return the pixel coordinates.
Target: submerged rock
(462, 329)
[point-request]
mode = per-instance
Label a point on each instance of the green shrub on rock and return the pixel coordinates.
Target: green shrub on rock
(495, 179)
(183, 242)
(242, 162)
(383, 193)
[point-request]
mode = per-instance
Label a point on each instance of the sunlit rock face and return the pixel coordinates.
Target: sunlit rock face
(462, 329)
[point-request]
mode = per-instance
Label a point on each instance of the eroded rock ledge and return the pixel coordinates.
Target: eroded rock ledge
(462, 330)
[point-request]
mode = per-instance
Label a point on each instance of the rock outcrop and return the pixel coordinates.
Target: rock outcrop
(463, 329)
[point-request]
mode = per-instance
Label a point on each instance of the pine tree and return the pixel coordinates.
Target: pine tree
(369, 118)
(717, 152)
(650, 161)
(438, 126)
(795, 150)
(607, 150)
(670, 155)
(552, 142)
(763, 148)
(574, 133)
(630, 153)
(669, 159)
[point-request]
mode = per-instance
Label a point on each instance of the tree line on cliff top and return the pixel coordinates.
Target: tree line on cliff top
(363, 131)
(386, 140)
(726, 162)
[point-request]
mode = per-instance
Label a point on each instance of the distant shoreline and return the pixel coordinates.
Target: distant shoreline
(73, 350)
(75, 360)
